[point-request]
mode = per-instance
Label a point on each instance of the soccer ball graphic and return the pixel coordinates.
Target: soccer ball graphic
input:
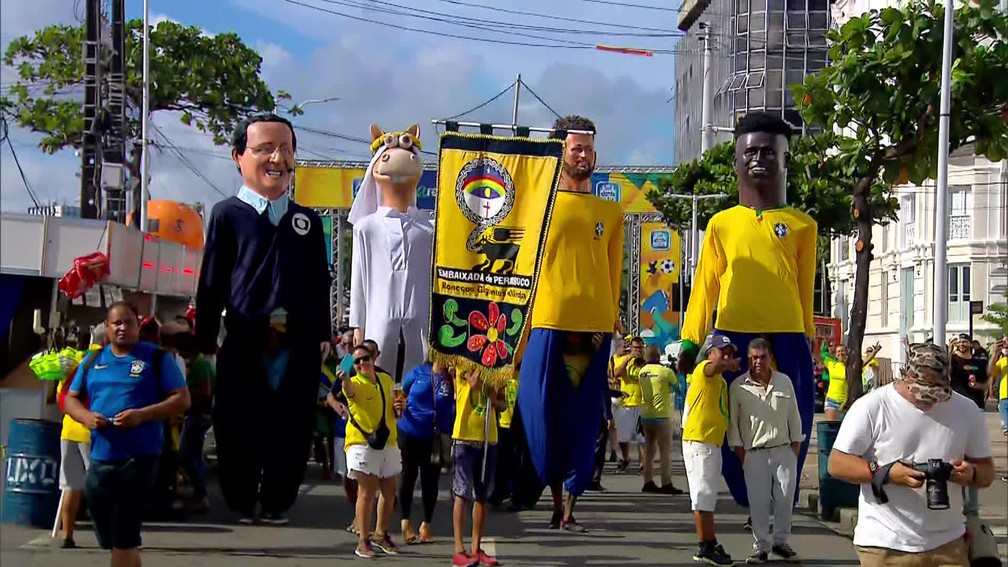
(667, 266)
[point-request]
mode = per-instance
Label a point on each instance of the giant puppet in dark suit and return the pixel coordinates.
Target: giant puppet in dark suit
(264, 266)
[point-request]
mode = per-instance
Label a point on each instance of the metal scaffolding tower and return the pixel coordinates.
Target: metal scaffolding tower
(91, 143)
(113, 166)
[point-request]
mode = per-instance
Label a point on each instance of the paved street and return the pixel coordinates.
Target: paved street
(627, 528)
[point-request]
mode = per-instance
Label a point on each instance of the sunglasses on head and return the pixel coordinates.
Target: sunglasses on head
(362, 360)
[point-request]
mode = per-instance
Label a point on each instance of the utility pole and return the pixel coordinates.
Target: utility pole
(707, 97)
(940, 307)
(145, 121)
(514, 115)
(91, 142)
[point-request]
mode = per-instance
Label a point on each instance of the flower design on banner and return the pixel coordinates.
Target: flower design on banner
(492, 325)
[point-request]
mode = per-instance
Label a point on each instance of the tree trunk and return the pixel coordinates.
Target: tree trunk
(859, 309)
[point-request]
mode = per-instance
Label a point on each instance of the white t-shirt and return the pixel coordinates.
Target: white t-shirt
(883, 426)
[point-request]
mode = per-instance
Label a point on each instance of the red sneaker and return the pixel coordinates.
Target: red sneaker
(485, 560)
(464, 560)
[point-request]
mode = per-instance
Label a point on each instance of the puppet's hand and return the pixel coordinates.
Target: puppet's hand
(358, 336)
(596, 340)
(326, 348)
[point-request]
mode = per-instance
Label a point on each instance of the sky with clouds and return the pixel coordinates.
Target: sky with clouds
(383, 73)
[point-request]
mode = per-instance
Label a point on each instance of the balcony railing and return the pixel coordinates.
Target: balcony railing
(909, 235)
(960, 227)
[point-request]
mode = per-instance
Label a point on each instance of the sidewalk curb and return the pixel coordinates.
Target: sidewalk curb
(843, 520)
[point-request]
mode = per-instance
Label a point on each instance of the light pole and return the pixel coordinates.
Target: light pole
(298, 107)
(145, 120)
(695, 228)
(940, 306)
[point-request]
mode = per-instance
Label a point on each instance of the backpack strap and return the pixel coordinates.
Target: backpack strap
(157, 359)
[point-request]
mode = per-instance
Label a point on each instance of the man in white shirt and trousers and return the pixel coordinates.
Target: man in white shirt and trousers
(765, 430)
(390, 273)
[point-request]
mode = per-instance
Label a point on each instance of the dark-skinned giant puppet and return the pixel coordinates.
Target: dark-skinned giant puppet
(265, 268)
(757, 268)
(390, 279)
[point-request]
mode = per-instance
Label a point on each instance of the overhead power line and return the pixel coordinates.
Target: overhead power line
(185, 160)
(470, 22)
(660, 31)
(558, 43)
(627, 5)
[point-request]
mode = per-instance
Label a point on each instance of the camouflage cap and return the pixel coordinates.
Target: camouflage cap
(927, 358)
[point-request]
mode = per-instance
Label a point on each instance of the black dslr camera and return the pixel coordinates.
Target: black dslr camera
(936, 474)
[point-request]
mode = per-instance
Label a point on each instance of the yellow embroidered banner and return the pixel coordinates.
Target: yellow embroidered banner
(494, 201)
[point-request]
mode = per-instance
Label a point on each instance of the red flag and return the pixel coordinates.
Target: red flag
(625, 50)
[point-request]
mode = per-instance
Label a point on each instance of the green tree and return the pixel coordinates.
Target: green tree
(997, 315)
(882, 86)
(818, 183)
(210, 81)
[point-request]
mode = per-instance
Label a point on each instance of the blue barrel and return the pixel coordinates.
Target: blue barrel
(833, 493)
(31, 485)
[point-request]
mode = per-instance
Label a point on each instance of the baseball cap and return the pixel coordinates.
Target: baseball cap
(721, 341)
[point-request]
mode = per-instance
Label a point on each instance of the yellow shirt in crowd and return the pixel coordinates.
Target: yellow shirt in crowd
(837, 390)
(706, 417)
(365, 407)
(631, 386)
(470, 413)
(1001, 369)
(757, 268)
(73, 431)
(584, 245)
(511, 396)
(656, 384)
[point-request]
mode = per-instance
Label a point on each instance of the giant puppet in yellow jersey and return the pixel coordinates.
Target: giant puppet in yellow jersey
(563, 368)
(757, 269)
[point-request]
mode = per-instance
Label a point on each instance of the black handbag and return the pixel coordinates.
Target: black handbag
(437, 449)
(379, 438)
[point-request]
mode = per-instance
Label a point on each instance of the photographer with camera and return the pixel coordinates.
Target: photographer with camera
(903, 443)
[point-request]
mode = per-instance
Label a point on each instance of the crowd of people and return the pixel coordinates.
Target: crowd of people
(149, 393)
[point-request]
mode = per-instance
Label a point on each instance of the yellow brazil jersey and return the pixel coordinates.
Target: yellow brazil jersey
(511, 395)
(579, 284)
(656, 383)
(631, 386)
(837, 390)
(706, 411)
(1001, 367)
(470, 414)
(757, 268)
(365, 407)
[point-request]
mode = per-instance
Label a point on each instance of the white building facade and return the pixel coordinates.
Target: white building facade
(901, 280)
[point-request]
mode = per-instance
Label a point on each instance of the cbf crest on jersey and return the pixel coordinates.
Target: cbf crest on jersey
(780, 229)
(599, 230)
(137, 367)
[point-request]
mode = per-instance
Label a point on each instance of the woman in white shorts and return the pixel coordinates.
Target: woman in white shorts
(372, 455)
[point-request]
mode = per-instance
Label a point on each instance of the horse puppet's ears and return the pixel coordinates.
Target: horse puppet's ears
(376, 132)
(414, 130)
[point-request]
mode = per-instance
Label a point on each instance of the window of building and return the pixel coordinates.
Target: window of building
(756, 99)
(843, 247)
(758, 5)
(758, 22)
(885, 237)
(796, 5)
(796, 39)
(775, 6)
(961, 202)
(884, 303)
(755, 80)
(797, 21)
(959, 292)
(742, 24)
(757, 59)
(743, 6)
(818, 21)
(737, 82)
(907, 312)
